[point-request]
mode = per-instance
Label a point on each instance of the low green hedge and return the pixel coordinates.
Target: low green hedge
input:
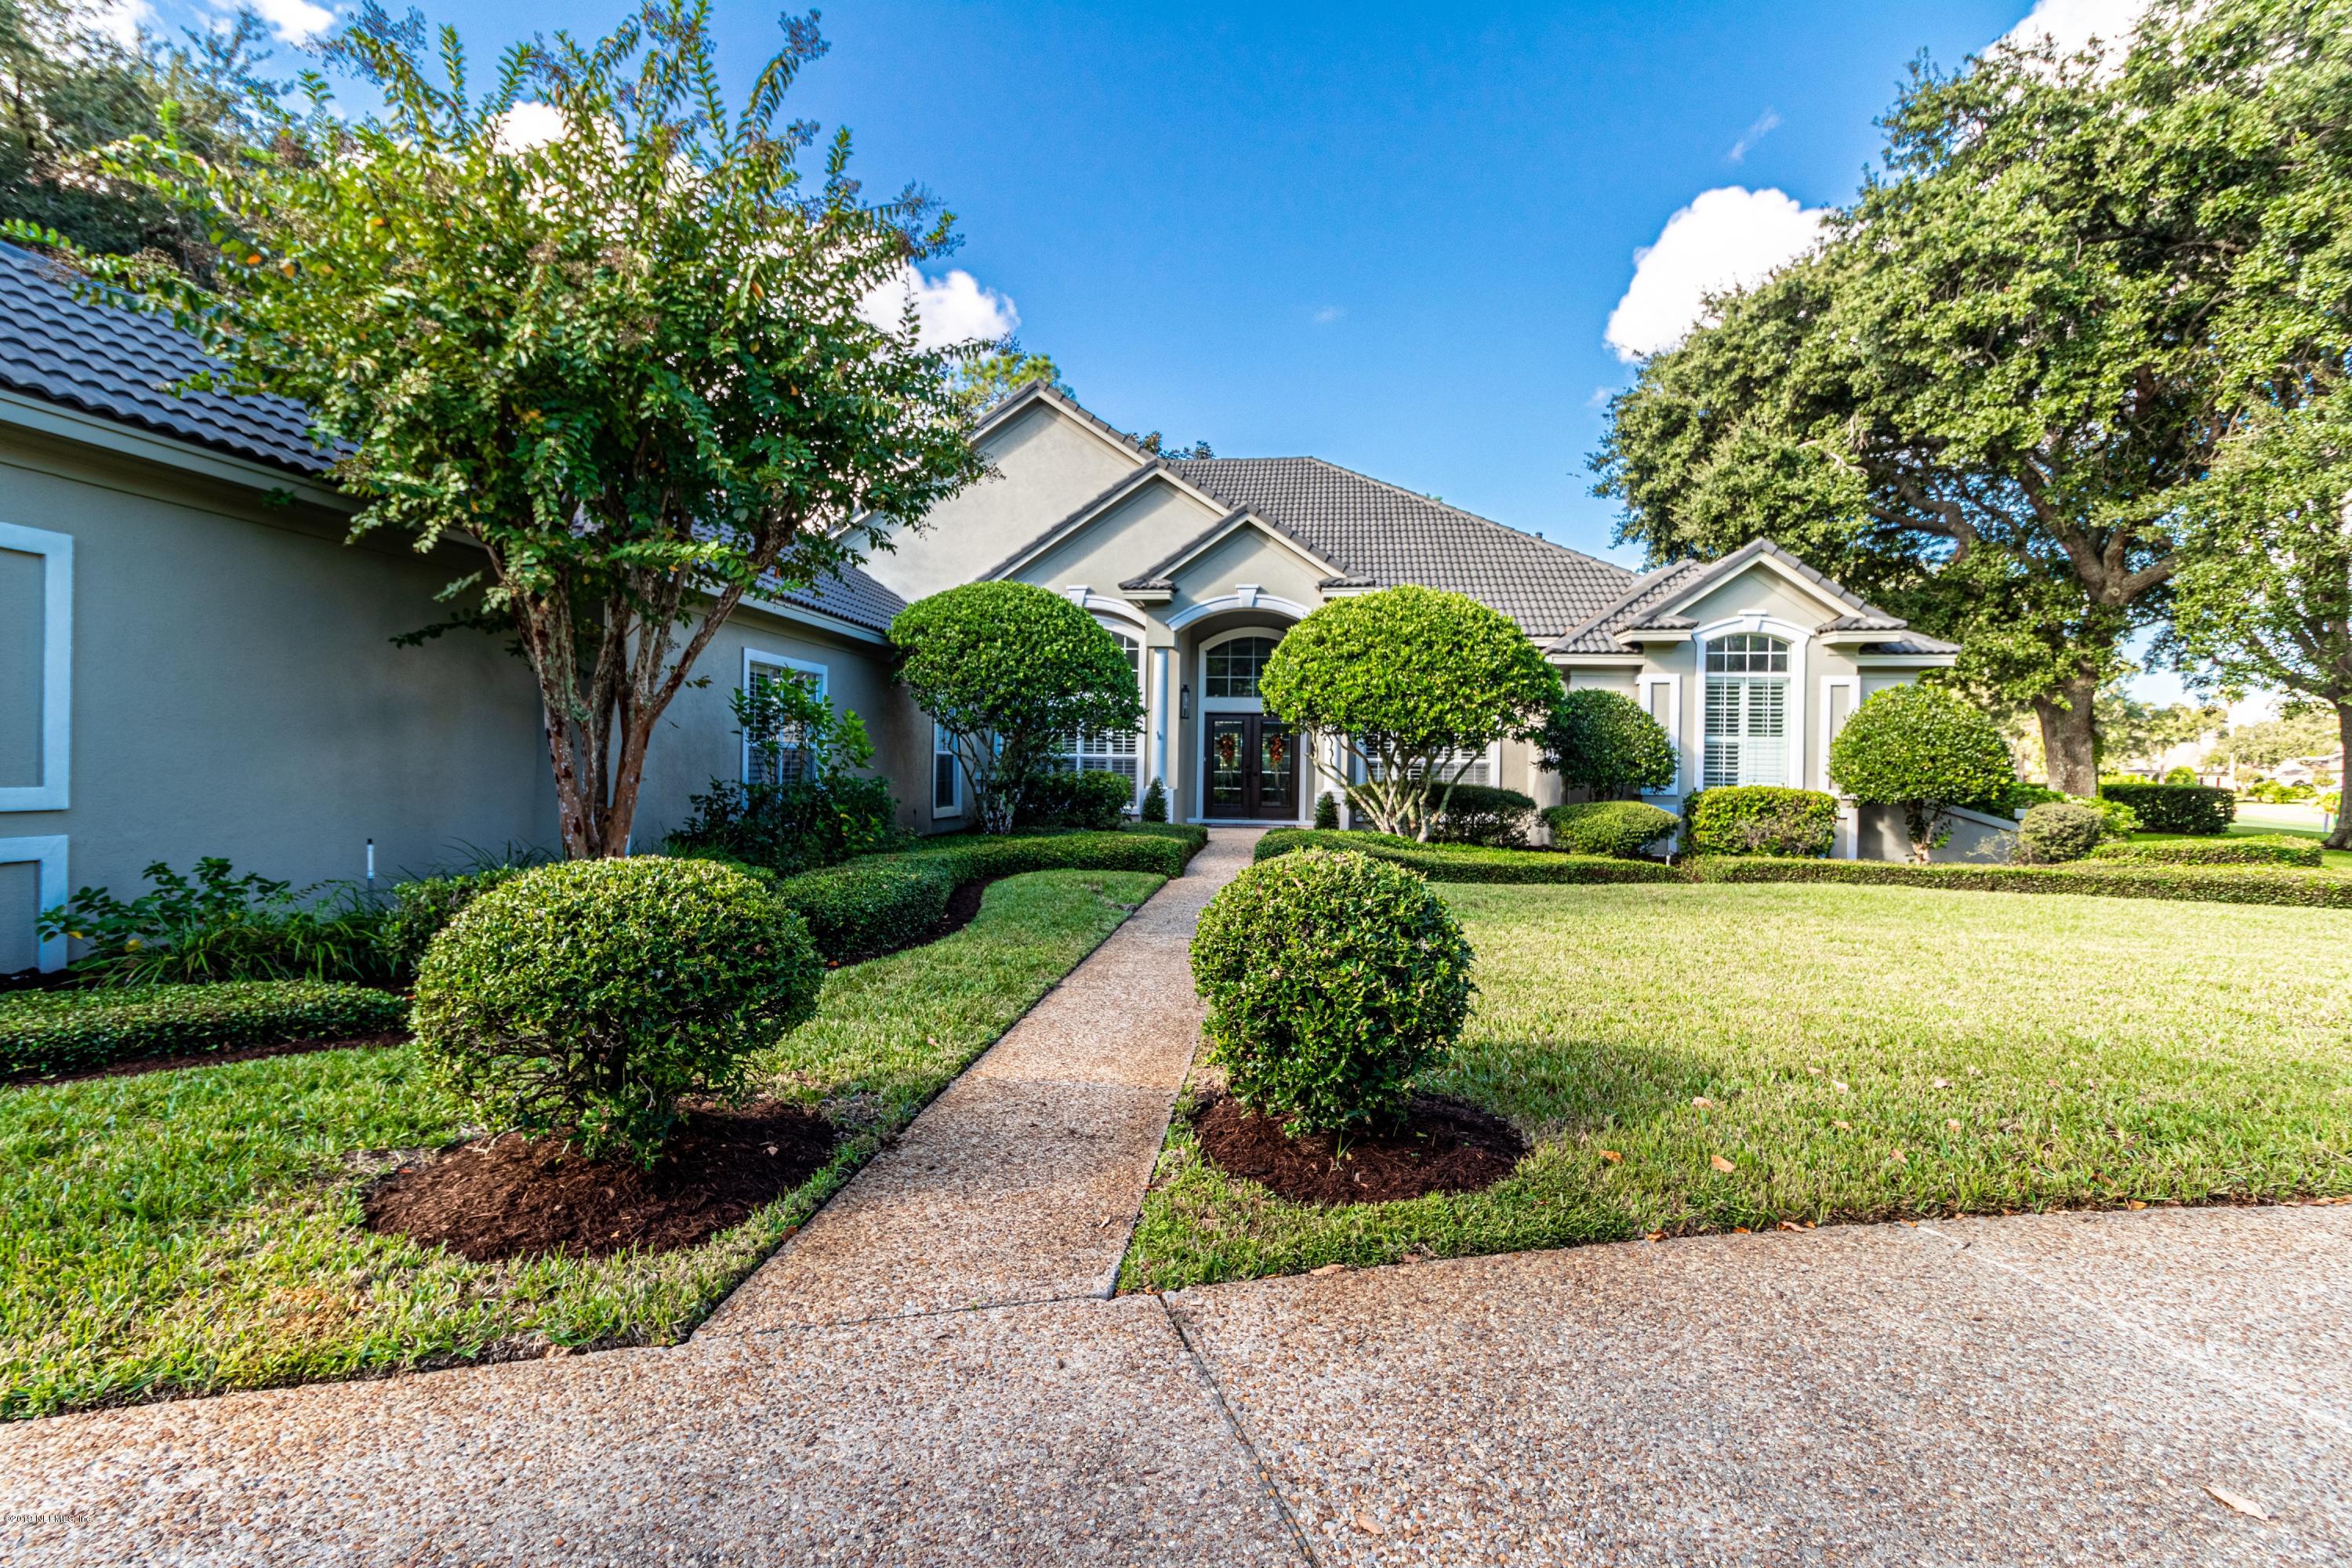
(1621, 829)
(1469, 863)
(2254, 849)
(2209, 884)
(2176, 808)
(61, 1031)
(979, 858)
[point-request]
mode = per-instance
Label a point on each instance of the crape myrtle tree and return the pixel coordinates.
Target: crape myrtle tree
(1011, 672)
(1413, 685)
(1988, 393)
(625, 359)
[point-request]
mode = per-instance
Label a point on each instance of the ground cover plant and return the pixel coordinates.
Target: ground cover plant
(184, 1231)
(1701, 1058)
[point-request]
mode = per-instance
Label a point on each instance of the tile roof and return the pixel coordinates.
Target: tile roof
(114, 362)
(846, 595)
(1382, 535)
(1644, 608)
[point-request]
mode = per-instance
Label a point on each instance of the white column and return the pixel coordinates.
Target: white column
(1159, 721)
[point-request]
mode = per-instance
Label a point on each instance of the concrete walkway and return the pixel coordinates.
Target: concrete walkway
(928, 1375)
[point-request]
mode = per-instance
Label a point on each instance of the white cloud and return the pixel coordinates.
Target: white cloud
(296, 21)
(2073, 24)
(1727, 239)
(1328, 314)
(119, 19)
(951, 310)
(1766, 123)
(526, 126)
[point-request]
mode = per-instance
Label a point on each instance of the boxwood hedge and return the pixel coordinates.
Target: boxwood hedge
(2254, 849)
(62, 1031)
(2106, 879)
(1469, 863)
(2176, 808)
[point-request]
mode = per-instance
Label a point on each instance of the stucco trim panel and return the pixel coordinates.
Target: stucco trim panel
(56, 551)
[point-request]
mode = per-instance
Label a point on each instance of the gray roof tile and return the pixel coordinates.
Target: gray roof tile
(847, 594)
(1641, 609)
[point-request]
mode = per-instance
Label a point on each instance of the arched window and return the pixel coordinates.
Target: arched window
(1234, 665)
(1747, 710)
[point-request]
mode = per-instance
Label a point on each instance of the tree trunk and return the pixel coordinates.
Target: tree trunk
(2342, 838)
(2070, 735)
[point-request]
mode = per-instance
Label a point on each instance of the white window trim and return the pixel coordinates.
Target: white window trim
(765, 658)
(1672, 723)
(1851, 683)
(56, 550)
(1798, 638)
(51, 888)
(1143, 667)
(943, 745)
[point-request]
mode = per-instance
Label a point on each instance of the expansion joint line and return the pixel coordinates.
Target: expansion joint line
(1241, 1433)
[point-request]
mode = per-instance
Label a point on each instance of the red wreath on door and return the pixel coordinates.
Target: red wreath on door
(1229, 749)
(1276, 748)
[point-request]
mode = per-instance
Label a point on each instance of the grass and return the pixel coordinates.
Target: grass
(1863, 1054)
(188, 1231)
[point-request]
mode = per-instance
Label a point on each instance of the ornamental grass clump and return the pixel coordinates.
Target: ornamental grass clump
(1332, 981)
(589, 998)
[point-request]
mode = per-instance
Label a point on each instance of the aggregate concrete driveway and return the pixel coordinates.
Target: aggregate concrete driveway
(937, 1378)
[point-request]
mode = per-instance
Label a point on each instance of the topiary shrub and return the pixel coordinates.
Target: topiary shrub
(874, 905)
(589, 997)
(1621, 829)
(1327, 812)
(1760, 819)
(1926, 753)
(1481, 814)
(2058, 831)
(1155, 801)
(2175, 808)
(1604, 742)
(2254, 849)
(1331, 980)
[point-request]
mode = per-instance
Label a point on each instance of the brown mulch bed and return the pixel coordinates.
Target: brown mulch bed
(515, 1198)
(134, 1066)
(1442, 1146)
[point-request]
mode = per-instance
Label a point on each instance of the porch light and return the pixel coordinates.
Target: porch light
(1184, 701)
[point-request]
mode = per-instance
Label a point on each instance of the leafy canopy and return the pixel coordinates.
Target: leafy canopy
(1923, 750)
(1415, 684)
(1011, 672)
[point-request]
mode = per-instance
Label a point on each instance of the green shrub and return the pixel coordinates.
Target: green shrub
(214, 925)
(1191, 834)
(1760, 819)
(977, 857)
(2181, 774)
(1467, 863)
(1926, 752)
(419, 908)
(1331, 980)
(59, 1031)
(1155, 801)
(2024, 795)
(1327, 812)
(1092, 802)
(1618, 828)
(2254, 849)
(1481, 814)
(1604, 742)
(2058, 831)
(870, 906)
(2207, 884)
(589, 997)
(2176, 808)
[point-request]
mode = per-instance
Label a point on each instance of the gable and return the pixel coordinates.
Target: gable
(1126, 537)
(1758, 588)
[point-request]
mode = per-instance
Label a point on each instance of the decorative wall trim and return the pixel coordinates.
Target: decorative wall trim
(1244, 597)
(1830, 683)
(49, 853)
(56, 551)
(1095, 604)
(1669, 714)
(1799, 639)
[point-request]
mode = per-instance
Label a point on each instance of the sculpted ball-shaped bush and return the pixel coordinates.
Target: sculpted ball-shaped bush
(1924, 751)
(1604, 742)
(587, 997)
(1618, 828)
(2054, 832)
(1331, 979)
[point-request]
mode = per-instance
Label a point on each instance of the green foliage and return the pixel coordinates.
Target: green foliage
(1603, 743)
(2267, 743)
(1009, 671)
(218, 926)
(1415, 685)
(988, 379)
(2248, 849)
(1925, 751)
(874, 905)
(2058, 831)
(1096, 801)
(629, 362)
(1621, 829)
(1482, 814)
(59, 1031)
(806, 804)
(1760, 819)
(1331, 981)
(1326, 812)
(2180, 773)
(1163, 850)
(1466, 863)
(2175, 808)
(2099, 878)
(590, 997)
(1155, 801)
(420, 906)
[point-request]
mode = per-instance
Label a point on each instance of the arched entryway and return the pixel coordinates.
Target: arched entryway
(1253, 766)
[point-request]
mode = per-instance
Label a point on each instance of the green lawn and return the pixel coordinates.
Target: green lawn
(192, 1231)
(2330, 860)
(1868, 1053)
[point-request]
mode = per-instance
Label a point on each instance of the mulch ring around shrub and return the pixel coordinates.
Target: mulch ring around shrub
(1443, 1146)
(133, 1066)
(514, 1197)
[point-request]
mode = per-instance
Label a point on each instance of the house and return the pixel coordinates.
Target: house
(195, 661)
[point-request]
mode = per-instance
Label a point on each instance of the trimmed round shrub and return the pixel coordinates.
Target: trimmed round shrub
(1621, 829)
(1926, 753)
(1761, 819)
(1331, 980)
(2057, 831)
(1327, 812)
(590, 997)
(1482, 814)
(1603, 742)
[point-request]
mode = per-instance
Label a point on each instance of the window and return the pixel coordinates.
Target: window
(1747, 710)
(1481, 771)
(1235, 665)
(1119, 751)
(947, 774)
(791, 759)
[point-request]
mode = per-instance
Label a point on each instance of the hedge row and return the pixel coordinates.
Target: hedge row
(61, 1031)
(2254, 849)
(2175, 808)
(1467, 863)
(2106, 879)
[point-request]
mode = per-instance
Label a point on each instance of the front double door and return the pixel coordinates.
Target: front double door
(1253, 767)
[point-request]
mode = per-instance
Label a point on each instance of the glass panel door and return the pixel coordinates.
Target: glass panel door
(1277, 770)
(1229, 748)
